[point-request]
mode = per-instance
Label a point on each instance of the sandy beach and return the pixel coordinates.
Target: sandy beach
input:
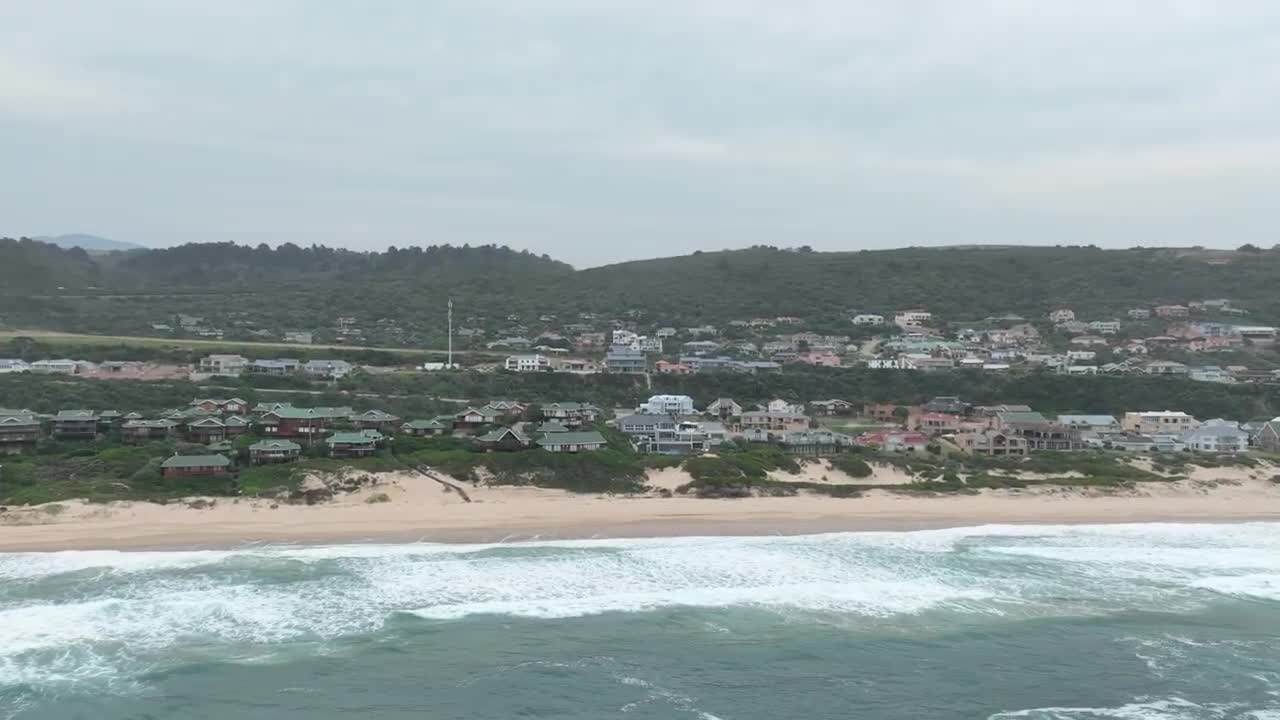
(418, 509)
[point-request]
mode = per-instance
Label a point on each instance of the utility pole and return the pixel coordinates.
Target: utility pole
(449, 365)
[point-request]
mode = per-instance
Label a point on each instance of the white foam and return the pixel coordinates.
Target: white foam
(1258, 586)
(1167, 709)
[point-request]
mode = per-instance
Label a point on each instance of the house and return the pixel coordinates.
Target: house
(816, 443)
(528, 363)
(277, 367)
(1165, 367)
(1136, 442)
(233, 406)
(1105, 327)
(289, 421)
(667, 405)
(206, 430)
(13, 365)
(933, 423)
(572, 442)
(666, 367)
(884, 412)
(571, 414)
(1062, 315)
(503, 439)
(75, 425)
(236, 425)
(426, 428)
(300, 337)
(1089, 340)
(868, 319)
(141, 431)
(994, 443)
(1172, 311)
(266, 452)
(820, 358)
(1216, 436)
(221, 364)
(700, 347)
(551, 426)
(626, 361)
(912, 318)
(725, 409)
(1211, 373)
(949, 404)
(664, 434)
(1158, 422)
(329, 369)
(362, 443)
(55, 367)
(375, 420)
(473, 418)
(19, 430)
(1268, 437)
(893, 440)
(1139, 314)
(830, 407)
(192, 465)
(1090, 423)
(665, 332)
(773, 421)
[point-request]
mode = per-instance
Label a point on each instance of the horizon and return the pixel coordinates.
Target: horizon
(604, 135)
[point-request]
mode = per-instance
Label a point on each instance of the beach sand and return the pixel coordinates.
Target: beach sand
(419, 509)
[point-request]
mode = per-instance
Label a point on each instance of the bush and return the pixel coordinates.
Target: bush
(376, 498)
(852, 466)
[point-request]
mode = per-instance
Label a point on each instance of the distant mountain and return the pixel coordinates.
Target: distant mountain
(90, 242)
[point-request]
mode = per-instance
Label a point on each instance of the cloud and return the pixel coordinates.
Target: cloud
(597, 131)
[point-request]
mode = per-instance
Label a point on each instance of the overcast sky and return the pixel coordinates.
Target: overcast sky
(599, 130)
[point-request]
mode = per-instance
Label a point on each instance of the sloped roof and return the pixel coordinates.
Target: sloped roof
(590, 437)
(196, 461)
(268, 445)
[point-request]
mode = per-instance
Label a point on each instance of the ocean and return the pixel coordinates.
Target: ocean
(1135, 622)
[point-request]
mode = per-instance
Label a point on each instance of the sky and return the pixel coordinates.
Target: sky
(598, 131)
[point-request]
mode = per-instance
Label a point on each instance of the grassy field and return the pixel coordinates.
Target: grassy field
(53, 337)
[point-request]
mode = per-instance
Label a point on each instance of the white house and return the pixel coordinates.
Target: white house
(219, 364)
(624, 337)
(912, 318)
(1216, 436)
(1062, 315)
(868, 319)
(528, 363)
(667, 405)
(13, 365)
(1106, 327)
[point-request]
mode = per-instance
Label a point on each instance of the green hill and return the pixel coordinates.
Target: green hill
(400, 294)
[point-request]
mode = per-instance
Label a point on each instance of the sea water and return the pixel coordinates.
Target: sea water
(1136, 622)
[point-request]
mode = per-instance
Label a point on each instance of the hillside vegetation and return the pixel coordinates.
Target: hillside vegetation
(290, 286)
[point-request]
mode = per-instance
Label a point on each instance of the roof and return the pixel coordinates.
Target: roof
(573, 438)
(17, 419)
(195, 461)
(570, 406)
(158, 424)
(207, 422)
(376, 415)
(354, 438)
(290, 412)
(1022, 417)
(552, 426)
(486, 412)
(432, 424)
(494, 436)
(644, 419)
(266, 445)
(1086, 420)
(75, 415)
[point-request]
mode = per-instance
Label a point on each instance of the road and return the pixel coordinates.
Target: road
(55, 336)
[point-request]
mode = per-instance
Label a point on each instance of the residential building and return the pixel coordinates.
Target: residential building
(206, 430)
(362, 443)
(1139, 314)
(293, 422)
(13, 365)
(626, 361)
(1268, 437)
(663, 333)
(277, 367)
(1089, 340)
(815, 443)
(301, 337)
(571, 414)
(949, 404)
(75, 425)
(667, 405)
(1165, 367)
(991, 442)
(329, 369)
(572, 442)
(231, 406)
(1172, 311)
(830, 407)
(622, 338)
(236, 425)
(528, 363)
(55, 367)
(725, 409)
(1062, 315)
(267, 452)
(424, 428)
(189, 465)
(664, 434)
(1211, 373)
(1105, 327)
(820, 358)
(894, 440)
(375, 420)
(884, 412)
(1090, 423)
(1216, 436)
(503, 439)
(141, 431)
(773, 421)
(19, 430)
(912, 318)
(933, 423)
(221, 364)
(700, 347)
(666, 367)
(868, 319)
(1158, 422)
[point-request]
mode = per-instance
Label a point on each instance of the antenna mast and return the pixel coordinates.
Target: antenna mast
(449, 366)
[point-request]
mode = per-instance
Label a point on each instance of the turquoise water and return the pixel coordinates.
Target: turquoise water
(1133, 622)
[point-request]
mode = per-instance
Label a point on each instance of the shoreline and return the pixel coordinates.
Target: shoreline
(417, 511)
